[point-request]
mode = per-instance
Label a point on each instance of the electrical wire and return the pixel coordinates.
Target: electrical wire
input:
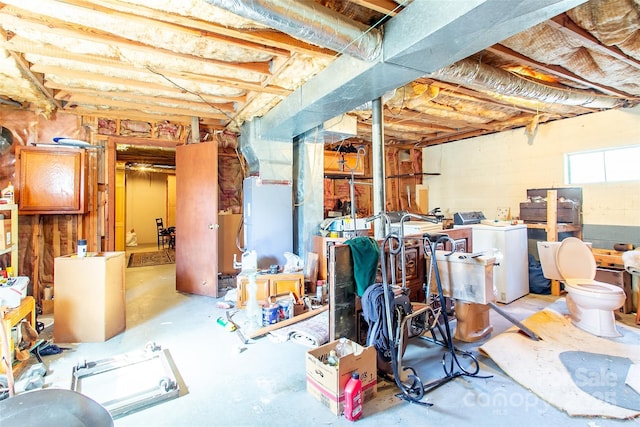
(231, 118)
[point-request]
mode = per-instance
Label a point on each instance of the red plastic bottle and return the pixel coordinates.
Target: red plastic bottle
(353, 398)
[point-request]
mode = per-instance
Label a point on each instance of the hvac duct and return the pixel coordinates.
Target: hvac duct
(311, 22)
(489, 79)
(423, 38)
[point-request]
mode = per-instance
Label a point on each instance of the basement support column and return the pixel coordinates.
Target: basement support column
(378, 172)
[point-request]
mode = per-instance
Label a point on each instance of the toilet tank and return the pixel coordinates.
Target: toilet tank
(547, 252)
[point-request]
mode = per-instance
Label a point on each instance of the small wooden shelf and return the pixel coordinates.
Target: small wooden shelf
(553, 229)
(13, 247)
(26, 310)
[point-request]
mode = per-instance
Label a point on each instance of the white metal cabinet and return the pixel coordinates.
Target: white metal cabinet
(511, 275)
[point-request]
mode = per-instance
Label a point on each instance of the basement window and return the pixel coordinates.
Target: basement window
(610, 165)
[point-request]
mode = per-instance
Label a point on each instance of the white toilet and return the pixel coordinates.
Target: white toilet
(591, 303)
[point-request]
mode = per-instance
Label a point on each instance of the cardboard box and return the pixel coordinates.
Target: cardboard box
(326, 383)
(89, 303)
(47, 306)
(299, 309)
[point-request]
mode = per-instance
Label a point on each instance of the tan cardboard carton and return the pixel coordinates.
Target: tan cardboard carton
(326, 383)
(89, 303)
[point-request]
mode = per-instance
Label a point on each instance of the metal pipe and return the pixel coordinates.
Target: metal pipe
(312, 22)
(10, 102)
(378, 170)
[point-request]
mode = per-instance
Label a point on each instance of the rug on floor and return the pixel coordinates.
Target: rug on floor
(541, 366)
(145, 259)
(312, 332)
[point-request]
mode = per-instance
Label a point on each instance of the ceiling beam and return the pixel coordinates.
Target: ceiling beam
(78, 100)
(51, 25)
(136, 115)
(149, 111)
(131, 84)
(36, 80)
(19, 44)
(69, 94)
(387, 7)
(268, 38)
(563, 23)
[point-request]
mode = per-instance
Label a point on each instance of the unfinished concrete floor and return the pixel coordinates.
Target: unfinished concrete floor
(265, 383)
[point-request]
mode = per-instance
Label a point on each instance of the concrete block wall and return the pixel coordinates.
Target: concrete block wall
(485, 173)
(494, 171)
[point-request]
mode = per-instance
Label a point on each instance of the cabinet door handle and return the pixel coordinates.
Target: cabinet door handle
(213, 226)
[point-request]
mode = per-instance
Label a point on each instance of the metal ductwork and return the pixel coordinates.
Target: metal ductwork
(311, 22)
(486, 78)
(418, 42)
(269, 159)
(425, 37)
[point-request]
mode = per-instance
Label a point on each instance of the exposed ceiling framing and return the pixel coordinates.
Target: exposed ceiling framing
(174, 60)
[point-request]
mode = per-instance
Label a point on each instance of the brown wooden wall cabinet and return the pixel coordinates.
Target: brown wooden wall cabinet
(51, 180)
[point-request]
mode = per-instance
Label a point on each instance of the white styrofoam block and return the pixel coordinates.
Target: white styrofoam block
(12, 292)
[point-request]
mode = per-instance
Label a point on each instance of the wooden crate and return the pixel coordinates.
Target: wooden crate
(569, 205)
(537, 212)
